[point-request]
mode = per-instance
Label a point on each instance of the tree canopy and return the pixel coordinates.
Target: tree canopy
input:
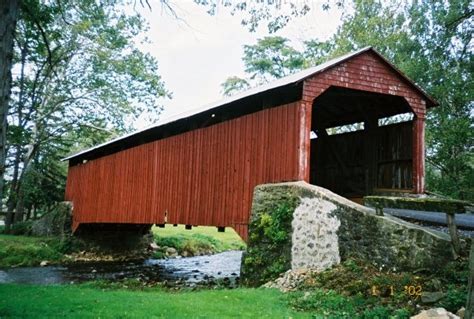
(81, 80)
(271, 58)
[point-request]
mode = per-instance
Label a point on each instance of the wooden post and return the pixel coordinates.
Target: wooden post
(305, 109)
(470, 291)
(379, 209)
(419, 154)
(453, 232)
(370, 127)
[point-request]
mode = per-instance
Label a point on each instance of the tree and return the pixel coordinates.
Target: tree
(275, 13)
(84, 80)
(8, 18)
(270, 58)
(233, 85)
(448, 55)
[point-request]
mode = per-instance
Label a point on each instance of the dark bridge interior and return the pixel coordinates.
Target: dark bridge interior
(358, 151)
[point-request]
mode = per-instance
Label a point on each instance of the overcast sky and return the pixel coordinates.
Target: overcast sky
(197, 55)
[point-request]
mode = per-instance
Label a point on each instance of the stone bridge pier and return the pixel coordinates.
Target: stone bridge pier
(301, 226)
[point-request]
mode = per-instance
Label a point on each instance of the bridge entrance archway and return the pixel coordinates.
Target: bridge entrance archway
(361, 143)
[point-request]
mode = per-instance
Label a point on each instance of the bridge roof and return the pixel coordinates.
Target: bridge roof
(279, 83)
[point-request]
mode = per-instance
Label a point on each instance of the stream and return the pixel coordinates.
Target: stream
(219, 269)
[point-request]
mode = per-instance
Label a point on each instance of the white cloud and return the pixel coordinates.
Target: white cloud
(198, 52)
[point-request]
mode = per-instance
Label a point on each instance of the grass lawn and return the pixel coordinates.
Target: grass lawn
(25, 301)
(230, 238)
(28, 251)
(199, 238)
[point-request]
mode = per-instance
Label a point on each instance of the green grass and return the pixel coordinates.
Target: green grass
(26, 301)
(330, 304)
(28, 251)
(105, 300)
(198, 239)
(230, 239)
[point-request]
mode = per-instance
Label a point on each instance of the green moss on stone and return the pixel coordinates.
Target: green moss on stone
(269, 243)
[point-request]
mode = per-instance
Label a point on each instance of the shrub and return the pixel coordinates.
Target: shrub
(455, 298)
(22, 228)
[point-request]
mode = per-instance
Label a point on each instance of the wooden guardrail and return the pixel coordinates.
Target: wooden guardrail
(449, 206)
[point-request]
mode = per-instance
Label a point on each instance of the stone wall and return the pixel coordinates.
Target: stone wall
(298, 225)
(96, 241)
(56, 222)
(314, 238)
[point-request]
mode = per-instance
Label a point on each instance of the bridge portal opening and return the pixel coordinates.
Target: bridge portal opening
(361, 143)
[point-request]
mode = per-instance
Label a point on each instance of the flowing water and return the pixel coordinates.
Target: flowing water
(222, 269)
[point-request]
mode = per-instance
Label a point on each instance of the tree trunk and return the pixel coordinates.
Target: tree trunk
(20, 207)
(8, 18)
(28, 213)
(11, 203)
(31, 152)
(470, 290)
(13, 191)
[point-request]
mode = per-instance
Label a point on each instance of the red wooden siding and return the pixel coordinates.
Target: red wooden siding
(201, 177)
(368, 72)
(206, 176)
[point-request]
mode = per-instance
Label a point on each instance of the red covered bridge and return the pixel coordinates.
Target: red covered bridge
(200, 168)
